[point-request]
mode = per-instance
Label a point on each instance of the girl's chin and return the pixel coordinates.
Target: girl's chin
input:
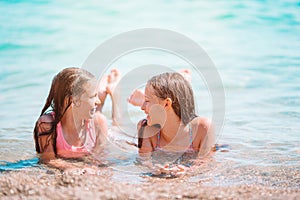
(149, 121)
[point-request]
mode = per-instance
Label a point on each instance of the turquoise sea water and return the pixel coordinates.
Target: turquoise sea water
(255, 46)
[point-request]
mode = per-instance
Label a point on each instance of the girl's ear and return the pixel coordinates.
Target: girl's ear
(168, 102)
(67, 101)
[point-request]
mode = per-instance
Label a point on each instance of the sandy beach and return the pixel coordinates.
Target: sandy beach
(47, 183)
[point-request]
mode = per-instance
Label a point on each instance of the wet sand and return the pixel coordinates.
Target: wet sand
(241, 183)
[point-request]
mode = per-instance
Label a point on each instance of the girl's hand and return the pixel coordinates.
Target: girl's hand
(177, 170)
(82, 171)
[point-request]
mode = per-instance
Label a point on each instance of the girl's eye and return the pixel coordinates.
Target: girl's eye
(95, 95)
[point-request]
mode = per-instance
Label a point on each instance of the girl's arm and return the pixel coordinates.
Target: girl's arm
(145, 143)
(205, 136)
(44, 144)
(101, 130)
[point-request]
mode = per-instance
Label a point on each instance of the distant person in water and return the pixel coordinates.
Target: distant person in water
(69, 125)
(171, 123)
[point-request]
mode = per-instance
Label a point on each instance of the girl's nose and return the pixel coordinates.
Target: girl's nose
(98, 101)
(143, 107)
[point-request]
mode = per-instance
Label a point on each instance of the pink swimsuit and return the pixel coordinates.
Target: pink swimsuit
(67, 151)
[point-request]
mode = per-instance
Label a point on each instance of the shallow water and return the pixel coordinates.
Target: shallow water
(254, 45)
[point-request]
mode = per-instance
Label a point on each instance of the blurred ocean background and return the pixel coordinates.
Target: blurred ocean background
(254, 45)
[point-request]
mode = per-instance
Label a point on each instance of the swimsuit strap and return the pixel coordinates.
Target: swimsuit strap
(191, 134)
(158, 140)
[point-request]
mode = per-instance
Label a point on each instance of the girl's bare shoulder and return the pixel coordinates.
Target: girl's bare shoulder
(201, 122)
(100, 118)
(44, 123)
(46, 118)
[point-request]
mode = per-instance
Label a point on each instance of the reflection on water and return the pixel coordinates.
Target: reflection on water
(163, 157)
(8, 166)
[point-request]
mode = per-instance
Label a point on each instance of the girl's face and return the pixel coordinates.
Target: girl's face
(154, 108)
(84, 107)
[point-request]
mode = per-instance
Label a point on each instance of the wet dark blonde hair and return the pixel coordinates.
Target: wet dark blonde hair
(66, 84)
(178, 89)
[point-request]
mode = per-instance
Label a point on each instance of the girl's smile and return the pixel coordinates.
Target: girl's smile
(153, 108)
(88, 102)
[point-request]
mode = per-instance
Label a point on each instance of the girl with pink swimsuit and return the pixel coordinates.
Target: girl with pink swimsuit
(69, 125)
